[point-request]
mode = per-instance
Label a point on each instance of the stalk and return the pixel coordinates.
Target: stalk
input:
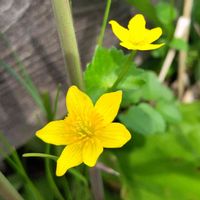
(105, 21)
(50, 178)
(7, 191)
(64, 22)
(124, 70)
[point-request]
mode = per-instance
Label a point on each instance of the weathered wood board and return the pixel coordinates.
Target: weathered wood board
(30, 28)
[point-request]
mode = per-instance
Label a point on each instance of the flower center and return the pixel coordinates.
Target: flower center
(85, 126)
(84, 131)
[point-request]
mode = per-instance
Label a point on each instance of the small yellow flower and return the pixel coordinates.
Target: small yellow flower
(86, 130)
(137, 37)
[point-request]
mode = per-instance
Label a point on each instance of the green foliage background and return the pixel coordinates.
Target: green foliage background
(162, 160)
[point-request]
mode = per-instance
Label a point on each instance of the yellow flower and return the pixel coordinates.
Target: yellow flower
(86, 130)
(137, 37)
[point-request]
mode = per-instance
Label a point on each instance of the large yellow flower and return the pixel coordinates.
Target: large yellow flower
(86, 130)
(137, 37)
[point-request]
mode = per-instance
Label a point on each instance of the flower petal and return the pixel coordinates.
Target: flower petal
(121, 32)
(91, 151)
(137, 23)
(150, 46)
(114, 135)
(129, 45)
(108, 105)
(55, 132)
(70, 157)
(77, 101)
(153, 34)
(137, 29)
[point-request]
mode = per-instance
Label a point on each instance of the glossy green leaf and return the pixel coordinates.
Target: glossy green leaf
(143, 119)
(169, 111)
(151, 90)
(104, 69)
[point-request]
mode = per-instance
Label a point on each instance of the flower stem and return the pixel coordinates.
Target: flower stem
(50, 178)
(15, 162)
(124, 71)
(105, 21)
(40, 155)
(7, 191)
(64, 21)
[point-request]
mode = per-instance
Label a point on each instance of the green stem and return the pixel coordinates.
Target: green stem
(105, 21)
(16, 164)
(40, 155)
(68, 41)
(50, 178)
(55, 106)
(124, 70)
(21, 171)
(66, 188)
(7, 191)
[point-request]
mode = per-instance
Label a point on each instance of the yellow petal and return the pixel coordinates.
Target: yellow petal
(137, 29)
(114, 135)
(153, 34)
(129, 45)
(55, 132)
(108, 105)
(121, 32)
(91, 151)
(70, 157)
(137, 23)
(141, 47)
(78, 102)
(150, 46)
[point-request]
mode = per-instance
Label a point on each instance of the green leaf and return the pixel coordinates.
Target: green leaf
(143, 119)
(167, 166)
(179, 44)
(166, 12)
(154, 90)
(151, 90)
(104, 69)
(48, 105)
(146, 7)
(162, 169)
(169, 111)
(191, 112)
(40, 155)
